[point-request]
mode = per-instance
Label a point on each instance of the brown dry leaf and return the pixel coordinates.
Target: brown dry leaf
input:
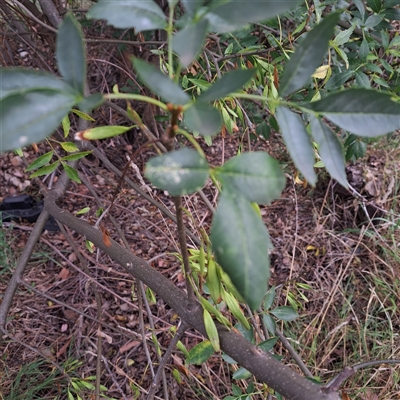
(345, 396)
(129, 345)
(64, 274)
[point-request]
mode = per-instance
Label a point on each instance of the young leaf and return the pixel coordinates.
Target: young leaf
(69, 147)
(211, 330)
(308, 56)
(269, 323)
(101, 132)
(71, 172)
(29, 117)
(298, 142)
(234, 14)
(200, 353)
(229, 83)
(256, 176)
(203, 118)
(83, 115)
(241, 243)
(188, 42)
(159, 83)
(213, 281)
(141, 15)
(19, 79)
(70, 53)
(235, 309)
(361, 111)
(66, 125)
(180, 172)
(285, 313)
(40, 161)
(330, 150)
(269, 298)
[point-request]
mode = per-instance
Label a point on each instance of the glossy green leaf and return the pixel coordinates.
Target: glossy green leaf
(47, 169)
(71, 172)
(256, 176)
(241, 243)
(229, 83)
(70, 53)
(180, 172)
(268, 345)
(234, 14)
(361, 111)
(19, 79)
(191, 6)
(330, 150)
(159, 83)
(297, 142)
(203, 118)
(285, 313)
(31, 116)
(91, 102)
(200, 353)
(188, 42)
(141, 15)
(101, 132)
(308, 56)
(211, 329)
(40, 161)
(242, 373)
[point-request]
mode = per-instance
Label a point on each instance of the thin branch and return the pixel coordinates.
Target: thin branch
(181, 330)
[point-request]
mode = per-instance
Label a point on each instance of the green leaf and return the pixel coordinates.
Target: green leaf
(298, 142)
(363, 50)
(256, 176)
(343, 36)
(200, 353)
(91, 102)
(330, 150)
(229, 83)
(241, 243)
(76, 156)
(375, 5)
(235, 309)
(70, 53)
(308, 56)
(269, 323)
(234, 14)
(19, 79)
(269, 298)
(141, 15)
(180, 172)
(83, 115)
(285, 313)
(203, 118)
(71, 172)
(40, 161)
(188, 42)
(268, 345)
(373, 20)
(159, 83)
(241, 373)
(31, 116)
(101, 132)
(392, 14)
(69, 147)
(361, 111)
(211, 329)
(362, 79)
(191, 6)
(48, 169)
(66, 125)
